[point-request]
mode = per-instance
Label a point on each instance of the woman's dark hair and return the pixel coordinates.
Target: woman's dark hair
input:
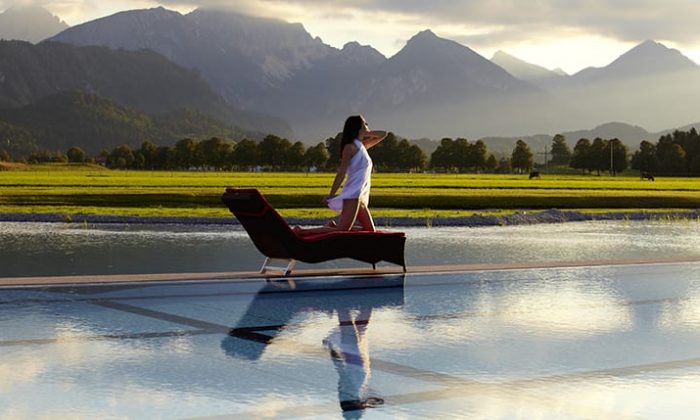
(351, 130)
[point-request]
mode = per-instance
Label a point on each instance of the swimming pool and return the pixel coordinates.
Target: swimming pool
(73, 249)
(606, 341)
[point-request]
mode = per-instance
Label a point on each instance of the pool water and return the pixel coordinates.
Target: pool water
(54, 249)
(611, 341)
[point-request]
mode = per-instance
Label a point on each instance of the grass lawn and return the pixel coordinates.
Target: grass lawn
(71, 189)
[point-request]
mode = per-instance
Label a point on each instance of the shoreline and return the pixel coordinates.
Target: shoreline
(518, 218)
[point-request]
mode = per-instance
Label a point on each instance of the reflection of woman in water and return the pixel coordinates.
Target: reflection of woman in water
(349, 351)
(347, 343)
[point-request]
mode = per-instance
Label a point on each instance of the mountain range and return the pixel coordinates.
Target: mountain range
(142, 79)
(433, 87)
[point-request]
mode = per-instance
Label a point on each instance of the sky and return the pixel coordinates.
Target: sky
(566, 34)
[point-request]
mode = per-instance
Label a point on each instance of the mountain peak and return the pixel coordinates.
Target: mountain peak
(423, 36)
(650, 43)
(29, 23)
(652, 57)
(426, 33)
(651, 47)
(362, 53)
(501, 54)
(426, 42)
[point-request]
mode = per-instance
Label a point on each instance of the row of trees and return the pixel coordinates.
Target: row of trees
(676, 153)
(599, 155)
(279, 154)
(272, 153)
(461, 156)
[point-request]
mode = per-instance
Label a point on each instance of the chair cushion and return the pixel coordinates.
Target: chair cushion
(312, 237)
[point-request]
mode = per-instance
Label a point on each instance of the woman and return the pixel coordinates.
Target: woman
(356, 165)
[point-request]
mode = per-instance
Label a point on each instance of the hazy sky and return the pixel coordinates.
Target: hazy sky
(570, 34)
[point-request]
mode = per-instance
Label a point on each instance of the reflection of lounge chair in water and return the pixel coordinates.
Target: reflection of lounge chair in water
(346, 343)
(274, 238)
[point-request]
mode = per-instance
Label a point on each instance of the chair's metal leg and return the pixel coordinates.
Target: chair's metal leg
(282, 270)
(264, 266)
(289, 268)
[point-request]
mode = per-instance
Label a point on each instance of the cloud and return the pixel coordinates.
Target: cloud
(499, 20)
(623, 20)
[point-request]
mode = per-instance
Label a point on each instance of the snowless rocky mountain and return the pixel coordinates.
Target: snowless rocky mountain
(433, 87)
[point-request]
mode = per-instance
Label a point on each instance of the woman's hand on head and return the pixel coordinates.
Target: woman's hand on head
(371, 138)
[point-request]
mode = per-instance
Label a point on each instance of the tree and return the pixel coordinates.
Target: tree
(581, 158)
(413, 158)
(645, 159)
(4, 156)
(214, 153)
(386, 155)
(246, 154)
(599, 155)
(521, 158)
(122, 157)
(491, 163)
(460, 156)
(274, 151)
(40, 156)
(185, 154)
(692, 151)
(673, 160)
(139, 161)
(316, 156)
(333, 149)
(694, 166)
(561, 154)
(443, 156)
(59, 157)
(149, 152)
(76, 155)
(295, 156)
(477, 155)
(17, 142)
(619, 152)
(164, 158)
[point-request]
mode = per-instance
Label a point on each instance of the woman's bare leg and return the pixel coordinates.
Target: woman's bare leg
(364, 217)
(345, 221)
(348, 214)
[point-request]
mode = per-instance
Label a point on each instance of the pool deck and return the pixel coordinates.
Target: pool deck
(329, 272)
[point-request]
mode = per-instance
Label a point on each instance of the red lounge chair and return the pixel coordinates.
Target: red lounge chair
(273, 237)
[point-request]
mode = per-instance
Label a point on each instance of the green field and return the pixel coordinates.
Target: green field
(93, 190)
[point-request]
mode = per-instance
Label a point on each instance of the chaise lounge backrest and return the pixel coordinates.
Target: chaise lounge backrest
(267, 229)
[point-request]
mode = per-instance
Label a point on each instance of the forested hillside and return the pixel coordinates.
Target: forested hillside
(66, 119)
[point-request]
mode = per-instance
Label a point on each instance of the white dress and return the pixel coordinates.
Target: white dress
(358, 181)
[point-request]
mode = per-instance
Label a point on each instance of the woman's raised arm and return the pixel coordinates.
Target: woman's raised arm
(371, 138)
